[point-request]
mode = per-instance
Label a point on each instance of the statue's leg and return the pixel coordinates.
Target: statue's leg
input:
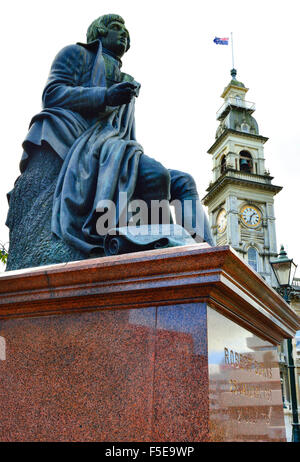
(153, 187)
(189, 211)
(29, 218)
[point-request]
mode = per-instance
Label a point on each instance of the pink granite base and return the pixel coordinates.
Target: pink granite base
(123, 375)
(175, 345)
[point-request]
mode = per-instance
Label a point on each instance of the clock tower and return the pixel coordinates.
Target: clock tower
(240, 198)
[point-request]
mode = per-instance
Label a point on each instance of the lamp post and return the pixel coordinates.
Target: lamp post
(284, 269)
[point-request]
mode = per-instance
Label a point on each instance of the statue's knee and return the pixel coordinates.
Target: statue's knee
(157, 182)
(189, 182)
(153, 180)
(183, 185)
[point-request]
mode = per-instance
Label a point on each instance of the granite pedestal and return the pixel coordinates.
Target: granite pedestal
(166, 345)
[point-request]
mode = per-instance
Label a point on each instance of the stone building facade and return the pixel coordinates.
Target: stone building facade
(240, 201)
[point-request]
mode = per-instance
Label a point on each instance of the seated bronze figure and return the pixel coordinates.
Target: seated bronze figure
(81, 151)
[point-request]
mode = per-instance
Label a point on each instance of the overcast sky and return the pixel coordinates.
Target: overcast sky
(182, 73)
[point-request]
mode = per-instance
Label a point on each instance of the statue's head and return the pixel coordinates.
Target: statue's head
(111, 30)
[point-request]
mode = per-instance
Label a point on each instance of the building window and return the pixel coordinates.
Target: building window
(297, 338)
(223, 164)
(246, 163)
(245, 128)
(238, 100)
(253, 258)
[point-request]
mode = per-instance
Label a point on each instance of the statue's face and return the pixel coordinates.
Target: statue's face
(116, 39)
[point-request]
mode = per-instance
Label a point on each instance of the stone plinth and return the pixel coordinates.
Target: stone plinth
(170, 345)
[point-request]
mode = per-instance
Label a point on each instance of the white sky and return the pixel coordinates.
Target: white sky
(182, 73)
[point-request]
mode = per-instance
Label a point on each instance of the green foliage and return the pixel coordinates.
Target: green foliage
(3, 254)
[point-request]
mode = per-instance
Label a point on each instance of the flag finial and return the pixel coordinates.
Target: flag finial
(233, 73)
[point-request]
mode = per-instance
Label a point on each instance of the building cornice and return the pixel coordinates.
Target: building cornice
(234, 87)
(229, 178)
(229, 131)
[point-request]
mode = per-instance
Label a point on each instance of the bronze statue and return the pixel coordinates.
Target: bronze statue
(81, 152)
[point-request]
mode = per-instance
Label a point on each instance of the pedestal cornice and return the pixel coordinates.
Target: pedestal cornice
(196, 273)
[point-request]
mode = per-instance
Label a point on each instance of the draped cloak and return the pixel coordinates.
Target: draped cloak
(97, 144)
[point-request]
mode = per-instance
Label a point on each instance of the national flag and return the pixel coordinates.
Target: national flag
(221, 41)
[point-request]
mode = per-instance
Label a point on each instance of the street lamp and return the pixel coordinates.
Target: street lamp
(284, 269)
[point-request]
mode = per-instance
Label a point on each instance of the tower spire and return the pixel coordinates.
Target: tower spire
(232, 50)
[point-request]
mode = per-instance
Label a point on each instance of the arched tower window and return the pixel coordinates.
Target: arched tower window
(238, 100)
(223, 164)
(253, 258)
(245, 127)
(246, 164)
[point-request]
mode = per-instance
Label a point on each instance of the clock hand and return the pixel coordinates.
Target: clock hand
(254, 214)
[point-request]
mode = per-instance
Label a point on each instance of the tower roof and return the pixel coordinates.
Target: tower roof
(234, 83)
(236, 113)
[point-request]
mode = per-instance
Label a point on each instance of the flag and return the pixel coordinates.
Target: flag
(221, 41)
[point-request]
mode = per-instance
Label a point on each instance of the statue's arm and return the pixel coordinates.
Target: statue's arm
(63, 86)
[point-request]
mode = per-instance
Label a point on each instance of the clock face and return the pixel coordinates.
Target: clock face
(221, 221)
(251, 216)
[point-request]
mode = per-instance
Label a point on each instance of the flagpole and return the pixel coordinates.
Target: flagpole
(232, 50)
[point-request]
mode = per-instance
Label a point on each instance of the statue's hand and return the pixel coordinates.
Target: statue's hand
(120, 93)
